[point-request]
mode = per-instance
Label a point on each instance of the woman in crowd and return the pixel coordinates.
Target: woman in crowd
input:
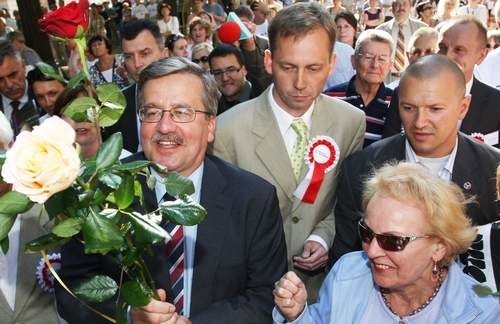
(168, 24)
(200, 31)
(347, 28)
(446, 9)
(373, 16)
(425, 12)
(336, 8)
(196, 8)
(105, 69)
(413, 227)
(200, 55)
(177, 45)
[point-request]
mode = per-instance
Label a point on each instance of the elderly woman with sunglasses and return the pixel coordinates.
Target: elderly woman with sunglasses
(414, 225)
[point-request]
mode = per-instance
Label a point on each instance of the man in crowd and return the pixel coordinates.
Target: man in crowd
(28, 54)
(45, 89)
(401, 27)
(253, 50)
(432, 101)
(366, 90)
(228, 68)
(142, 44)
(269, 135)
(16, 103)
(231, 259)
(22, 300)
(463, 39)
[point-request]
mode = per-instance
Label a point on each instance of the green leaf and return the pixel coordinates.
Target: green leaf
(110, 179)
(110, 151)
(482, 290)
(124, 195)
(68, 227)
(184, 211)
(100, 234)
(134, 166)
(77, 109)
(97, 289)
(146, 230)
(49, 71)
(6, 222)
(121, 313)
(111, 93)
(45, 242)
(108, 117)
(151, 181)
(178, 185)
(136, 294)
(14, 202)
(138, 191)
(76, 80)
(4, 245)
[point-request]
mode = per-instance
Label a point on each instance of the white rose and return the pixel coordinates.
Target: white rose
(44, 161)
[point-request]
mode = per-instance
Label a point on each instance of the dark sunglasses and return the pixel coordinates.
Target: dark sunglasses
(203, 59)
(385, 241)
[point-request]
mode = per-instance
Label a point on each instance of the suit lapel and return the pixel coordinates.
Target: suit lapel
(270, 147)
(210, 235)
(464, 169)
(27, 263)
(473, 117)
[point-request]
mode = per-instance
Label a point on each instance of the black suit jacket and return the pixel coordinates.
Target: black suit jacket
(483, 115)
(28, 113)
(240, 252)
(474, 171)
(127, 124)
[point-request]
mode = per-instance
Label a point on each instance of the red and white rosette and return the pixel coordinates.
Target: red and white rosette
(322, 155)
(43, 274)
(478, 136)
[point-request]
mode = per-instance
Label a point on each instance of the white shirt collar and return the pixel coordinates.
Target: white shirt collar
(468, 86)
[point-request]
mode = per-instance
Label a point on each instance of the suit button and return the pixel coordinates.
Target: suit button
(295, 220)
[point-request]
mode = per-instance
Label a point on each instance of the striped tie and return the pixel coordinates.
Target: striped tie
(399, 58)
(174, 249)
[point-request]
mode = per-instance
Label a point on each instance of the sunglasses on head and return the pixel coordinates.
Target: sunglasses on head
(387, 242)
(203, 59)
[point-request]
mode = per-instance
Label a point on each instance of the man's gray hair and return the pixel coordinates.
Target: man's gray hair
(6, 134)
(298, 20)
(180, 65)
(422, 32)
(6, 49)
(374, 35)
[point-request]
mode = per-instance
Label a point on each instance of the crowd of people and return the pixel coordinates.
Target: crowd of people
(347, 154)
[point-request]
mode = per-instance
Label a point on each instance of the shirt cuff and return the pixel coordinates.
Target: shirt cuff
(318, 239)
(279, 318)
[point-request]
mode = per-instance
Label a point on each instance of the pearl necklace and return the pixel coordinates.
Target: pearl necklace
(419, 308)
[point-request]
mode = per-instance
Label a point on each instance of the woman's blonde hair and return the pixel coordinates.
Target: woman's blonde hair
(443, 203)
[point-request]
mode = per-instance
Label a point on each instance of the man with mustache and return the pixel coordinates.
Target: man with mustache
(229, 262)
(16, 103)
(228, 68)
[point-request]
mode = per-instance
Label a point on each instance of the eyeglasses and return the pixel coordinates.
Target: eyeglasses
(176, 114)
(488, 46)
(230, 71)
(380, 59)
(385, 241)
(203, 59)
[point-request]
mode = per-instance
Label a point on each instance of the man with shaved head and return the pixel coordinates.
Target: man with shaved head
(432, 101)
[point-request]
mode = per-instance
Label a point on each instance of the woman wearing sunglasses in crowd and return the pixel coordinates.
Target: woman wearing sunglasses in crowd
(200, 55)
(414, 226)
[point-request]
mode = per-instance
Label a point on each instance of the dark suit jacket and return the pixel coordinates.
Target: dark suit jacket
(474, 171)
(483, 115)
(29, 113)
(240, 252)
(127, 124)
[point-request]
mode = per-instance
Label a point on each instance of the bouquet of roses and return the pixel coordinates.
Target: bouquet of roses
(93, 200)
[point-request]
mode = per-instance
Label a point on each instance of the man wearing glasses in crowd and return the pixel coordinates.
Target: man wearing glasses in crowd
(227, 67)
(229, 262)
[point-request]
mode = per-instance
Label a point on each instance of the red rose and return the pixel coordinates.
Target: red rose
(64, 21)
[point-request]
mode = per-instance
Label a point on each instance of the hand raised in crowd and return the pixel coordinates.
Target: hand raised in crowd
(290, 295)
(314, 256)
(158, 311)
